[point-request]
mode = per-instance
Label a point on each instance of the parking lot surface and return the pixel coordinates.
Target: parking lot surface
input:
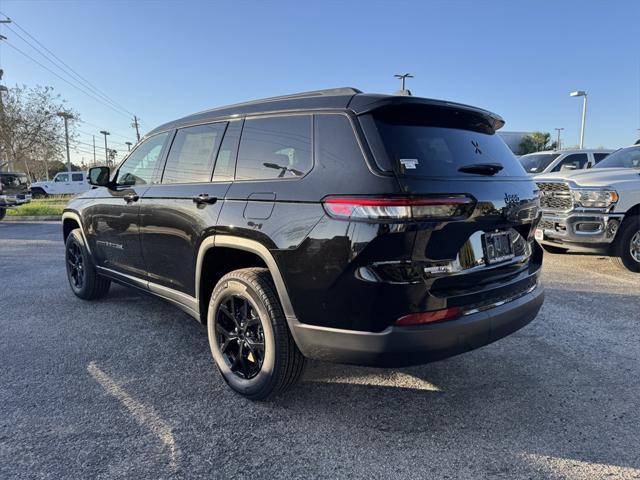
(126, 387)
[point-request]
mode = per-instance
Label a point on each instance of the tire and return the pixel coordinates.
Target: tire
(38, 193)
(552, 249)
(244, 313)
(81, 273)
(3, 212)
(628, 244)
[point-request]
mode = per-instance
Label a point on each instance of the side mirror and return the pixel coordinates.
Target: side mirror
(568, 166)
(99, 176)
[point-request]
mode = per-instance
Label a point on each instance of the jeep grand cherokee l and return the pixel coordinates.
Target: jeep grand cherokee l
(357, 228)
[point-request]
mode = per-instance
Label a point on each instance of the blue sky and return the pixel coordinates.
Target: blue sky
(165, 59)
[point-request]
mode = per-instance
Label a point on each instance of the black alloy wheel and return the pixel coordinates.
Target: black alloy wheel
(240, 336)
(75, 265)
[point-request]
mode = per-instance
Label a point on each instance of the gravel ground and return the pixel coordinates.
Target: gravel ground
(125, 387)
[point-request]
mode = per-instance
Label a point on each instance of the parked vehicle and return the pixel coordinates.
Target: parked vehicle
(594, 211)
(562, 160)
(64, 183)
(14, 191)
(357, 228)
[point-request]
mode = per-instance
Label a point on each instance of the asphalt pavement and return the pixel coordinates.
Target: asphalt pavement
(125, 387)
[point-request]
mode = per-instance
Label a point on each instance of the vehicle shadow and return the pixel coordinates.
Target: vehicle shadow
(548, 390)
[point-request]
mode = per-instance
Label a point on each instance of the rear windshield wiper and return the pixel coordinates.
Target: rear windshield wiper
(481, 168)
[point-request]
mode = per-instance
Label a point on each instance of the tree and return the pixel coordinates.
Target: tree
(31, 133)
(536, 142)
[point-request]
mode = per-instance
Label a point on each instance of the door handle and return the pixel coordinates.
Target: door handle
(204, 198)
(131, 197)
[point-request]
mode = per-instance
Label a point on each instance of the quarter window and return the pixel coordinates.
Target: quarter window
(140, 167)
(599, 156)
(192, 154)
(275, 147)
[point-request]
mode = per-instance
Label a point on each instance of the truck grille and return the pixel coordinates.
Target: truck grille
(555, 196)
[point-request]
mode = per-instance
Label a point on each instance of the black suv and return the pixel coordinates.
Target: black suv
(357, 228)
(14, 190)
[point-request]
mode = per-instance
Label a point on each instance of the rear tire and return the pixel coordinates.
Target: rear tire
(249, 337)
(81, 273)
(552, 249)
(38, 193)
(628, 244)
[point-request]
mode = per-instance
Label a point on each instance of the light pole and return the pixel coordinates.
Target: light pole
(128, 144)
(558, 142)
(106, 149)
(66, 116)
(583, 94)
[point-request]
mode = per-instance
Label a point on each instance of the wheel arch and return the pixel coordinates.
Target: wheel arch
(256, 251)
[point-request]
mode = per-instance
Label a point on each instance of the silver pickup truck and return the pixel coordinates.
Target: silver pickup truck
(595, 210)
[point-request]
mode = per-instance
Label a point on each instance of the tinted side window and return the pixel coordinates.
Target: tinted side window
(192, 154)
(140, 166)
(275, 147)
(576, 160)
(76, 177)
(336, 144)
(597, 157)
(226, 161)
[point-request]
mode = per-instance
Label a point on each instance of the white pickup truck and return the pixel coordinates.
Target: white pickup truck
(595, 210)
(64, 183)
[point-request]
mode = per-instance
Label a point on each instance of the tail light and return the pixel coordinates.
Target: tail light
(428, 317)
(398, 208)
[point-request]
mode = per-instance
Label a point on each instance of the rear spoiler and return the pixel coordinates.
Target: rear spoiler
(361, 104)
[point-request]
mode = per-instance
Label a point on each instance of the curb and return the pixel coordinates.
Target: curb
(32, 218)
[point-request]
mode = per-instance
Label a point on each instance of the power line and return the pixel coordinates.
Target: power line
(62, 78)
(73, 73)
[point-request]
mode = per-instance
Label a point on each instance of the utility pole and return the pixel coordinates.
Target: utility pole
(136, 125)
(3, 89)
(66, 116)
(106, 149)
(94, 150)
(128, 144)
(558, 146)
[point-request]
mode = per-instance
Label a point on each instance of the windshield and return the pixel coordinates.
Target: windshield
(537, 162)
(624, 158)
(428, 143)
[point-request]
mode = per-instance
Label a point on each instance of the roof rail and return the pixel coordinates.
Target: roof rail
(314, 93)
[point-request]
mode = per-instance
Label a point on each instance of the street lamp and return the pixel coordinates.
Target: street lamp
(106, 149)
(128, 144)
(583, 94)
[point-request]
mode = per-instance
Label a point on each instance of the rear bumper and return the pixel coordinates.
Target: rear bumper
(403, 346)
(13, 200)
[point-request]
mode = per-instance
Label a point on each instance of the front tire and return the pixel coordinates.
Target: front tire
(629, 244)
(81, 273)
(552, 249)
(249, 337)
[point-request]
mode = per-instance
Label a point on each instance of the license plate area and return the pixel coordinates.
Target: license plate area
(497, 247)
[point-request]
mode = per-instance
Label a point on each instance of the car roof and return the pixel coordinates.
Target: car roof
(329, 99)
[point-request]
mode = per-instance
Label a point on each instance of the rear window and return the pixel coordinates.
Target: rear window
(537, 162)
(436, 143)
